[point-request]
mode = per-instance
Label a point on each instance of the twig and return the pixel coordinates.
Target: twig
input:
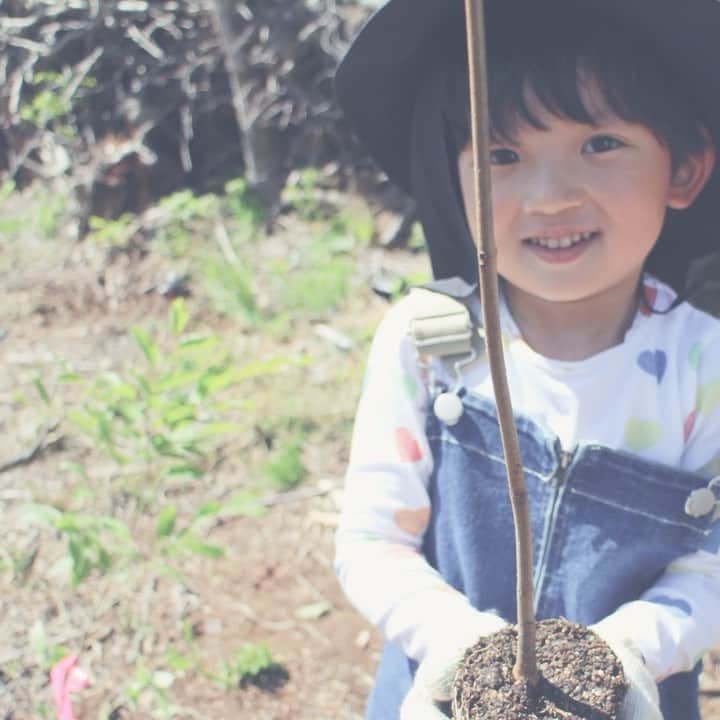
(223, 240)
(33, 454)
(145, 43)
(83, 68)
(294, 496)
(526, 663)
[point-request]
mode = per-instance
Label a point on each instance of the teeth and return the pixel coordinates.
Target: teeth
(561, 242)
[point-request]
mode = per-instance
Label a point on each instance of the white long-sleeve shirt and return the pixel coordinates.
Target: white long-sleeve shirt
(657, 394)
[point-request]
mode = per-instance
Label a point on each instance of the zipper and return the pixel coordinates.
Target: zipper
(557, 479)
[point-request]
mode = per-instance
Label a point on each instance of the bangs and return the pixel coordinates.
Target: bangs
(543, 66)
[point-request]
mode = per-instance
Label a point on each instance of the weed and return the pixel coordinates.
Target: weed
(165, 416)
(252, 664)
(94, 542)
(286, 469)
(149, 689)
(159, 425)
(184, 215)
(230, 290)
(416, 241)
(45, 652)
(111, 233)
(317, 289)
(300, 193)
(51, 100)
(242, 207)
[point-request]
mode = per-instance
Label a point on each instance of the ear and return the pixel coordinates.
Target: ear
(690, 177)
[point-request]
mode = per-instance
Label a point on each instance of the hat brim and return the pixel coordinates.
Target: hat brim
(377, 81)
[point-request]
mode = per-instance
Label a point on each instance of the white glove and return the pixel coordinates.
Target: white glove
(435, 674)
(641, 701)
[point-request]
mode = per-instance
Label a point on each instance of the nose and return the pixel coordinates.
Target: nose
(551, 190)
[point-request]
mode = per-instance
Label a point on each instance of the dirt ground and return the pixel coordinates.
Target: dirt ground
(56, 307)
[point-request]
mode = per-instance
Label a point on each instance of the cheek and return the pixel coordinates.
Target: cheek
(505, 208)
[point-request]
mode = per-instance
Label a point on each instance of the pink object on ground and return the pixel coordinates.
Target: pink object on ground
(66, 677)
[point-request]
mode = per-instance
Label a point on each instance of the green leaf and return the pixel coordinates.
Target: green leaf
(197, 341)
(143, 383)
(146, 344)
(69, 377)
(177, 379)
(163, 446)
(179, 315)
(177, 415)
(209, 508)
(244, 504)
(130, 411)
(83, 420)
(176, 661)
(42, 392)
(166, 521)
(251, 658)
(80, 563)
(196, 545)
(104, 559)
(187, 470)
(313, 611)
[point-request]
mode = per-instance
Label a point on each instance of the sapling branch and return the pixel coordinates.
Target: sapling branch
(526, 665)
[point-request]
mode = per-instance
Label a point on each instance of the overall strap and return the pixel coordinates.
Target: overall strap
(442, 326)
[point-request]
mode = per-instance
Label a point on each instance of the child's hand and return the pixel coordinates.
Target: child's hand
(432, 686)
(642, 701)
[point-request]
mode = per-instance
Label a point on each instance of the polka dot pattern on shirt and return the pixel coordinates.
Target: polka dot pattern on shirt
(413, 521)
(407, 445)
(654, 363)
(641, 434)
(708, 397)
(689, 425)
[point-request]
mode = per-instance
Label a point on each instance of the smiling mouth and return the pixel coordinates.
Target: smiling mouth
(564, 241)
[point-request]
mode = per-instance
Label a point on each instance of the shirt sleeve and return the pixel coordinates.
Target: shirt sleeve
(676, 621)
(386, 506)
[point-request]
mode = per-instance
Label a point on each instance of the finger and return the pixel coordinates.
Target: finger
(637, 706)
(437, 673)
(418, 706)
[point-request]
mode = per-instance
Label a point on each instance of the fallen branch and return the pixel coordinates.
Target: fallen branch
(33, 454)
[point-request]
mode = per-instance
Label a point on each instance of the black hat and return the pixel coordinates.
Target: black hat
(381, 80)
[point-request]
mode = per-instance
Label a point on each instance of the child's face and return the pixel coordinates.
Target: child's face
(577, 208)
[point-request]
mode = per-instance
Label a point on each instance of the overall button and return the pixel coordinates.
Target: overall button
(448, 408)
(702, 501)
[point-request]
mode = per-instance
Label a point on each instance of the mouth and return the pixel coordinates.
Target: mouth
(561, 242)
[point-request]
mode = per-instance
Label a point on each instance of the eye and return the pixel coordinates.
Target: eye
(602, 144)
(503, 156)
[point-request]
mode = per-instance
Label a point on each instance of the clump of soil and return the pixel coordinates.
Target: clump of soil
(580, 677)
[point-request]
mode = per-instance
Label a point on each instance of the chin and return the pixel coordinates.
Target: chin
(556, 293)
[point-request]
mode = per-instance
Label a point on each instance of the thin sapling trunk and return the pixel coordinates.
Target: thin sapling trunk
(526, 665)
(569, 673)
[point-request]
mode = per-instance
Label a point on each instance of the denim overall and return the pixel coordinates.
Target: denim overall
(605, 525)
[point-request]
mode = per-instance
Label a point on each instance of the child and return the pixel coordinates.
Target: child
(604, 122)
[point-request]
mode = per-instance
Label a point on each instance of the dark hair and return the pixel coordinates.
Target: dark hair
(550, 60)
